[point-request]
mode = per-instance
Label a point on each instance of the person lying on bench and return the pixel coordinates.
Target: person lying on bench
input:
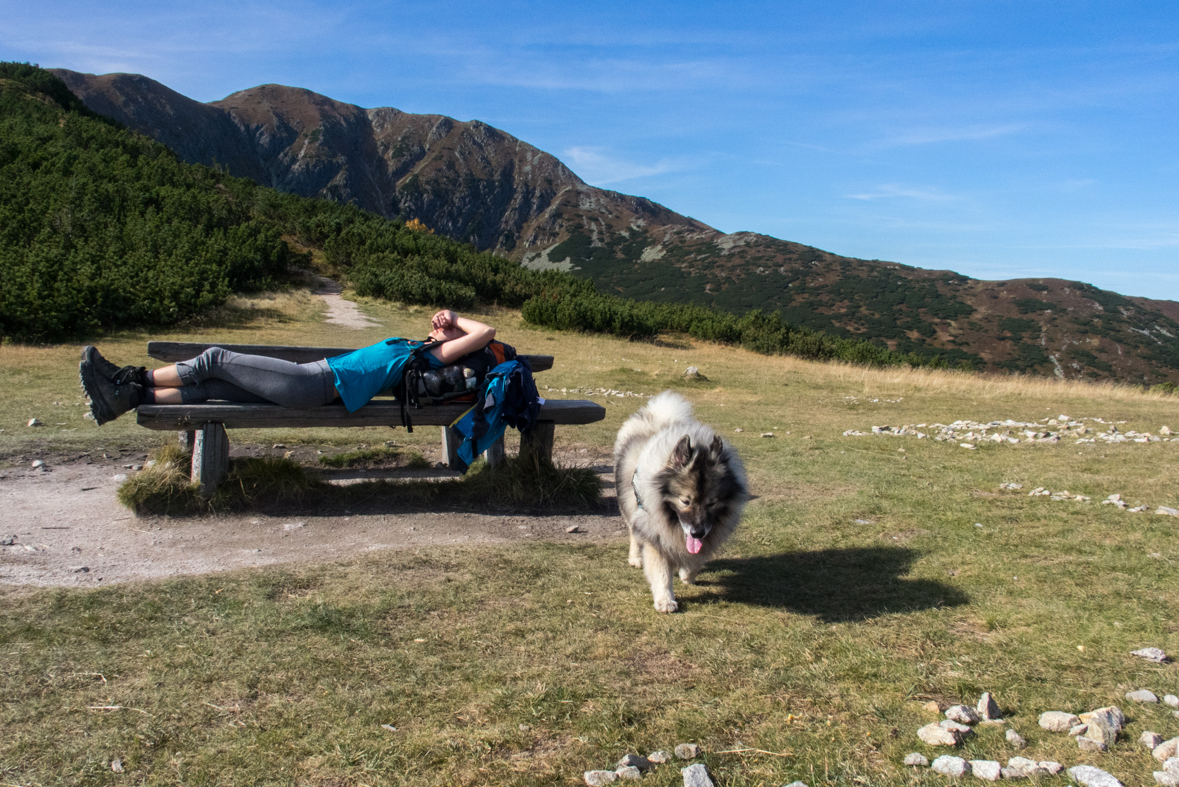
(354, 377)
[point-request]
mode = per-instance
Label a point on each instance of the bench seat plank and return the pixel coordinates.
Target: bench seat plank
(171, 352)
(237, 415)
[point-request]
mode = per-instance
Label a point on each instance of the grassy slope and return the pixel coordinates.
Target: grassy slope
(815, 634)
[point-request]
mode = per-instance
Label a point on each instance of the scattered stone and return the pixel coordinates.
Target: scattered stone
(573, 529)
(80, 569)
(963, 714)
(971, 446)
(1142, 695)
(693, 373)
(1104, 725)
(1164, 779)
(988, 709)
(767, 434)
(1053, 768)
(1020, 767)
(696, 776)
(1171, 700)
(1150, 654)
(1168, 511)
(7, 541)
(797, 783)
(1088, 776)
(1166, 750)
(1080, 729)
(949, 765)
(119, 478)
(738, 429)
(916, 759)
(1150, 740)
(658, 757)
(633, 761)
(1165, 431)
(1058, 721)
(117, 766)
(1016, 740)
(1091, 744)
(525, 727)
(936, 735)
(990, 770)
(932, 707)
(600, 778)
(687, 751)
(628, 772)
(953, 726)
(294, 525)
(1172, 765)
(35, 422)
(37, 463)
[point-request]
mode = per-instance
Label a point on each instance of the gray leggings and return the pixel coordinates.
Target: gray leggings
(222, 374)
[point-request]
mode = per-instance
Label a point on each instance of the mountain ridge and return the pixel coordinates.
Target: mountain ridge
(472, 182)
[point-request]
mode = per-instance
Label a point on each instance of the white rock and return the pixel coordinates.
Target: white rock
(659, 757)
(35, 422)
(1150, 654)
(696, 776)
(1058, 721)
(1016, 740)
(1171, 765)
(936, 735)
(961, 729)
(1079, 729)
(1086, 743)
(1164, 779)
(1142, 695)
(990, 770)
(1088, 776)
(628, 772)
(687, 751)
(949, 765)
(1150, 740)
(988, 709)
(1166, 750)
(1171, 700)
(963, 714)
(599, 778)
(914, 758)
(633, 761)
(1053, 768)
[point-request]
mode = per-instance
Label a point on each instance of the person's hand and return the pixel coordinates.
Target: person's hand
(443, 319)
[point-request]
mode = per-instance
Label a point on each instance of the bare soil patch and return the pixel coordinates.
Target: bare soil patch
(67, 528)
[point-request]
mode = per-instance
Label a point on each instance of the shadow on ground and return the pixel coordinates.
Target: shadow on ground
(834, 585)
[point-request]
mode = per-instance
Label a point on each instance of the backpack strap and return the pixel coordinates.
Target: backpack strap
(411, 376)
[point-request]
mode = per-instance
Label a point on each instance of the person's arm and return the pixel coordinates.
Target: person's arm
(477, 336)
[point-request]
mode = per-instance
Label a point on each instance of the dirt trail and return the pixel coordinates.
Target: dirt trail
(69, 530)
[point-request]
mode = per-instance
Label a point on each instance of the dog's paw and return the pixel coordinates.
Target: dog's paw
(666, 605)
(687, 577)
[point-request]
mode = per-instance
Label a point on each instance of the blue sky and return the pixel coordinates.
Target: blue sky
(997, 139)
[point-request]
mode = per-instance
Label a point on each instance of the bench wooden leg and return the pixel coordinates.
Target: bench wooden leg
(451, 440)
(187, 441)
(495, 453)
(210, 457)
(539, 439)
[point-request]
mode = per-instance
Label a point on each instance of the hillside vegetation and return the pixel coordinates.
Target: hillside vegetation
(104, 228)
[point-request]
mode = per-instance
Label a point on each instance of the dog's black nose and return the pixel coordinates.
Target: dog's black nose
(699, 532)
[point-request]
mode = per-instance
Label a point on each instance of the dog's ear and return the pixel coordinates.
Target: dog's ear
(681, 455)
(717, 448)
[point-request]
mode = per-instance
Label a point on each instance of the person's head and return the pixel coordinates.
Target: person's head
(449, 332)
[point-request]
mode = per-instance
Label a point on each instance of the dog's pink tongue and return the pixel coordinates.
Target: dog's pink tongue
(695, 545)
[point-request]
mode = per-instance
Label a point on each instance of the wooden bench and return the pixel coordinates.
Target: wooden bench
(202, 426)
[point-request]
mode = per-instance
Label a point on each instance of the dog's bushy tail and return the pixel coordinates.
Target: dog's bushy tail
(668, 408)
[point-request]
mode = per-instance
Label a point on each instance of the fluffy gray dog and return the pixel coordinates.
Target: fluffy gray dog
(681, 491)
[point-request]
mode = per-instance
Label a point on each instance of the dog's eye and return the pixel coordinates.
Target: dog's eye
(685, 501)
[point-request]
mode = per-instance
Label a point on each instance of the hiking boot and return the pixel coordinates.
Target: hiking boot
(108, 399)
(107, 370)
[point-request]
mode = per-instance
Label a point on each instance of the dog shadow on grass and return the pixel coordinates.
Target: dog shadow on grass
(834, 585)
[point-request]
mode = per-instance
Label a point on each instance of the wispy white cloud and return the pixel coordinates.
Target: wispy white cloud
(599, 168)
(935, 135)
(898, 191)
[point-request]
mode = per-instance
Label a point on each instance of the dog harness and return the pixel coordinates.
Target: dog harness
(634, 485)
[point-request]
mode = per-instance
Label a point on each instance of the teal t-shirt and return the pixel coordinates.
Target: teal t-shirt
(362, 374)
